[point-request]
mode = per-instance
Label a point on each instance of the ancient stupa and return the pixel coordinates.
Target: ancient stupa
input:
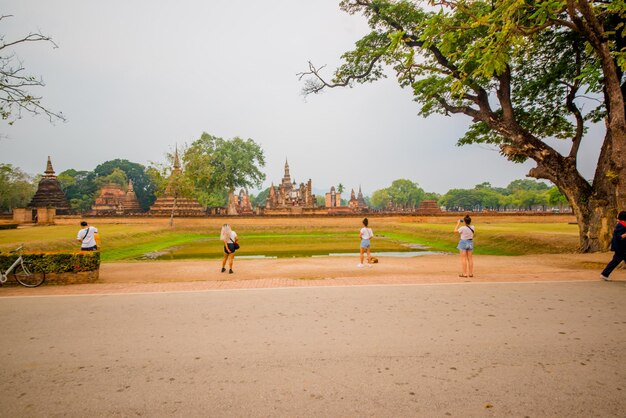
(131, 204)
(113, 200)
(357, 202)
(49, 193)
(171, 203)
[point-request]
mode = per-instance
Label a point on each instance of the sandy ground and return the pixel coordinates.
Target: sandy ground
(167, 276)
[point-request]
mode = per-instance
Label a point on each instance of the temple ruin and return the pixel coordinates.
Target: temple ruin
(49, 193)
(113, 200)
(357, 203)
(172, 203)
(289, 198)
(239, 204)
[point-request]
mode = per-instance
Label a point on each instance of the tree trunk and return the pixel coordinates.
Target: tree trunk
(172, 214)
(595, 224)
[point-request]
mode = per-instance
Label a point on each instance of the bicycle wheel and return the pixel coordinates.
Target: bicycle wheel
(25, 277)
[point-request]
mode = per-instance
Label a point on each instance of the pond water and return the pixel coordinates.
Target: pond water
(402, 254)
(199, 250)
(175, 255)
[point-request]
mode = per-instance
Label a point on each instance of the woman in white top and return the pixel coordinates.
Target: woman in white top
(229, 238)
(366, 235)
(466, 246)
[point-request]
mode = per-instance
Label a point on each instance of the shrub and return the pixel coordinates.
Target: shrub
(8, 226)
(55, 262)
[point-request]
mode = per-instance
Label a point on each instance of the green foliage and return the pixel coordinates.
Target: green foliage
(523, 72)
(79, 188)
(16, 188)
(526, 184)
(380, 199)
(216, 166)
(556, 198)
(117, 176)
(143, 184)
(260, 199)
(55, 262)
(519, 194)
(402, 193)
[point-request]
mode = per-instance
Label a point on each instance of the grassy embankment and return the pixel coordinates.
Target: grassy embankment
(129, 239)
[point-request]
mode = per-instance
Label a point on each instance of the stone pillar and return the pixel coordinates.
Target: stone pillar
(45, 216)
(23, 215)
(232, 204)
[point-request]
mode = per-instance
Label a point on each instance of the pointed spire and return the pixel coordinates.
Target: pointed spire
(286, 168)
(49, 170)
(130, 186)
(176, 159)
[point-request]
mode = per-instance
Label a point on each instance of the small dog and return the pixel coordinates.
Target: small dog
(374, 260)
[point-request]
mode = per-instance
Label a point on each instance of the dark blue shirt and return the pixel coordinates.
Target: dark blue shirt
(618, 244)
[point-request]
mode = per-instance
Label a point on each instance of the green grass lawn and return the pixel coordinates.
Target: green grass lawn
(289, 238)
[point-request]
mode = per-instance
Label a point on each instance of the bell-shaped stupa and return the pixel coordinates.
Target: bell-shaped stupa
(49, 193)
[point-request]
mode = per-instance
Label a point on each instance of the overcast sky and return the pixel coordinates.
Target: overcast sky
(136, 77)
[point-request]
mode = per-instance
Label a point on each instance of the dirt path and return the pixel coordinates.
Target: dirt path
(166, 276)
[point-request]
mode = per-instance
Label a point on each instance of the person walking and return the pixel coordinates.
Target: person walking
(466, 246)
(229, 238)
(366, 235)
(87, 237)
(618, 245)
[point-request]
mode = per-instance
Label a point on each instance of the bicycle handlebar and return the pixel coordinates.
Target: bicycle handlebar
(18, 248)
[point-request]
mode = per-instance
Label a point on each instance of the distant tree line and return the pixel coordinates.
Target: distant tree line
(403, 194)
(81, 187)
(518, 195)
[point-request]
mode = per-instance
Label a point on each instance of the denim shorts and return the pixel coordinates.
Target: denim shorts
(466, 245)
(365, 243)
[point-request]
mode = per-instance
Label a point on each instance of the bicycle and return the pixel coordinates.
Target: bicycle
(22, 271)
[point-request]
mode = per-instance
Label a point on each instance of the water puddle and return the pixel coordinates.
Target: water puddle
(401, 254)
(173, 255)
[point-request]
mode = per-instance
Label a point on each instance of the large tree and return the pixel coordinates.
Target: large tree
(143, 185)
(520, 71)
(17, 88)
(16, 188)
(218, 166)
(402, 193)
(79, 187)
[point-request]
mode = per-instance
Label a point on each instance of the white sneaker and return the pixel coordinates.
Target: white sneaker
(606, 279)
(369, 265)
(359, 265)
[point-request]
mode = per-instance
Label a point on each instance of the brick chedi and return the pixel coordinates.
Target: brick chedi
(130, 203)
(357, 202)
(172, 203)
(109, 200)
(49, 193)
(428, 207)
(113, 200)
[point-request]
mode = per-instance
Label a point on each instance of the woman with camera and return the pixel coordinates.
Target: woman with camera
(466, 246)
(229, 238)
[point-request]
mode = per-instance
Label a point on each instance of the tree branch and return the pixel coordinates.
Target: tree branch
(312, 87)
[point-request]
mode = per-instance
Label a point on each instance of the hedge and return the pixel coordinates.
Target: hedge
(55, 262)
(8, 226)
